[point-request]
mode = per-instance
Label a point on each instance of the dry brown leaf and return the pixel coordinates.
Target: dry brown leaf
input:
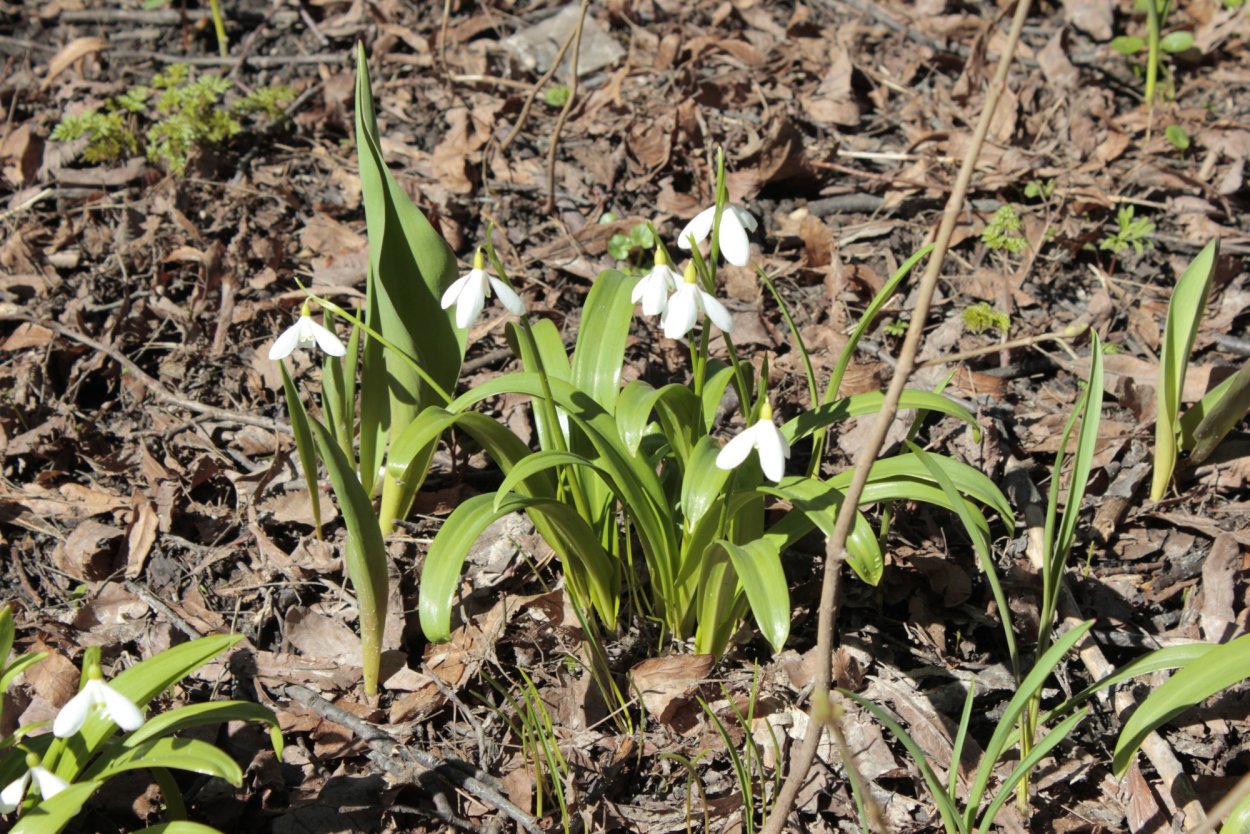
(666, 682)
(73, 51)
(27, 335)
(319, 637)
(89, 551)
(1219, 585)
(141, 535)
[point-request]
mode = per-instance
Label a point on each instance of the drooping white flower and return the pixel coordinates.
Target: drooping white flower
(766, 439)
(684, 306)
(470, 291)
(116, 707)
(48, 783)
(654, 288)
(304, 334)
(735, 225)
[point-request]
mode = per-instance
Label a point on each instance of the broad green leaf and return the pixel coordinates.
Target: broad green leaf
(140, 683)
(1178, 41)
(52, 815)
(601, 336)
(365, 553)
(187, 754)
(718, 602)
(197, 715)
(870, 403)
(1128, 44)
(758, 565)
(303, 443)
(409, 267)
(178, 827)
(1189, 301)
(1215, 671)
(633, 412)
(536, 462)
(1238, 822)
(1215, 415)
(816, 505)
(703, 481)
(7, 633)
(544, 353)
(719, 376)
(445, 560)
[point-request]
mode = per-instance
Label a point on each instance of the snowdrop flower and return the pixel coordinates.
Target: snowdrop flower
(735, 224)
(470, 291)
(48, 783)
(116, 707)
(654, 288)
(765, 438)
(305, 333)
(685, 305)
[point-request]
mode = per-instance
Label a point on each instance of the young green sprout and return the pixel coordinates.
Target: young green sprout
(766, 439)
(687, 302)
(306, 333)
(470, 291)
(116, 707)
(733, 239)
(48, 783)
(654, 288)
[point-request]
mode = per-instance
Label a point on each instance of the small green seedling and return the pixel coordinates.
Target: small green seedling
(556, 95)
(1185, 310)
(981, 317)
(1039, 189)
(897, 327)
(1003, 234)
(1155, 43)
(1130, 231)
(1178, 137)
(639, 241)
(186, 113)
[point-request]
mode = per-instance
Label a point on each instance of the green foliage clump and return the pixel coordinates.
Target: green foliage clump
(1130, 231)
(187, 113)
(981, 317)
(641, 238)
(1002, 233)
(1039, 189)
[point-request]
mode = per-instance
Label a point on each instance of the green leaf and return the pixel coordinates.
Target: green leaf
(556, 95)
(445, 559)
(187, 754)
(1185, 310)
(303, 443)
(1211, 419)
(758, 565)
(1128, 45)
(816, 505)
(7, 633)
(703, 481)
(409, 267)
(198, 715)
(870, 403)
(1039, 751)
(1178, 137)
(1169, 657)
(52, 815)
(365, 554)
(1174, 42)
(1193, 683)
(178, 827)
(620, 246)
(1057, 545)
(601, 337)
(140, 683)
(1238, 822)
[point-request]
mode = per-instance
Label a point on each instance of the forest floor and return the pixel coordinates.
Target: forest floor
(148, 489)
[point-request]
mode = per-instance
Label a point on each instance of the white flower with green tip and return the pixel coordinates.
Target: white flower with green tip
(48, 783)
(765, 438)
(470, 291)
(733, 238)
(684, 306)
(306, 333)
(116, 707)
(654, 288)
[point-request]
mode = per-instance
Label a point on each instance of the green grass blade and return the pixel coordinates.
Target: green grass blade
(961, 736)
(1189, 300)
(365, 555)
(303, 444)
(1034, 757)
(1214, 416)
(1215, 671)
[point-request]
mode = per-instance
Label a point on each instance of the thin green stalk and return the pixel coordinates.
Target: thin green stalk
(219, 24)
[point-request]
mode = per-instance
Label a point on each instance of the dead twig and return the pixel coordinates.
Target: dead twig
(835, 549)
(540, 83)
(1070, 332)
(565, 110)
(400, 759)
(149, 382)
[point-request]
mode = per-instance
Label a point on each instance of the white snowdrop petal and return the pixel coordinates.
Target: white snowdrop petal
(327, 341)
(285, 343)
(121, 709)
(11, 796)
(772, 449)
(508, 297)
(699, 227)
(717, 312)
(73, 715)
(736, 450)
(734, 243)
(682, 312)
(744, 217)
(452, 293)
(49, 783)
(469, 307)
